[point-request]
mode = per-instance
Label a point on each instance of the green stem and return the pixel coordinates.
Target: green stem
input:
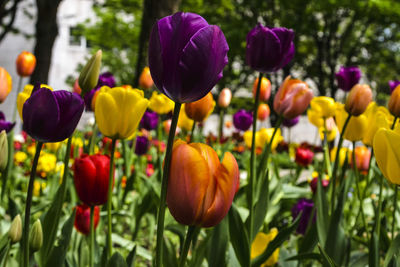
(394, 123)
(360, 199)
(7, 254)
(186, 245)
(191, 140)
(326, 151)
(14, 115)
(25, 233)
(378, 222)
(93, 139)
(253, 162)
(10, 163)
(336, 164)
(221, 125)
(109, 198)
(164, 185)
(159, 154)
(394, 209)
(91, 244)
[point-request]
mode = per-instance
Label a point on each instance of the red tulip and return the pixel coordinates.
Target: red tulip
(200, 188)
(91, 178)
(314, 184)
(26, 63)
(304, 156)
(82, 218)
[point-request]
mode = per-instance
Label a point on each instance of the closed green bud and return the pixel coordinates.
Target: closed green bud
(15, 232)
(90, 73)
(36, 236)
(3, 150)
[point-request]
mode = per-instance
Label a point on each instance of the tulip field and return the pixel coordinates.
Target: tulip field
(144, 185)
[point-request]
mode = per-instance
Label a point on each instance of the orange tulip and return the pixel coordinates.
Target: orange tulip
(292, 98)
(225, 98)
(265, 89)
(5, 84)
(200, 188)
(363, 156)
(25, 63)
(358, 99)
(263, 111)
(145, 80)
(200, 109)
(394, 102)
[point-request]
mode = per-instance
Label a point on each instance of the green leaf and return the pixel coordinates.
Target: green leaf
(374, 251)
(116, 260)
(239, 236)
(58, 253)
(4, 245)
(261, 207)
(328, 261)
(305, 256)
(282, 236)
(169, 254)
(219, 244)
(201, 251)
(130, 260)
(310, 239)
(393, 250)
(393, 262)
(322, 213)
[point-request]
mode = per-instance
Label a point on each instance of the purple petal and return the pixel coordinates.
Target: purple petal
(6, 125)
(286, 37)
(202, 62)
(393, 85)
(71, 106)
(288, 57)
(2, 117)
(41, 115)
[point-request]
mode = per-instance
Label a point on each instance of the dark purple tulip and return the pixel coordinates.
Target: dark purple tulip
(242, 119)
(149, 120)
(269, 50)
(347, 77)
(393, 85)
(51, 116)
(105, 79)
(305, 206)
(186, 56)
(291, 122)
(142, 144)
(5, 125)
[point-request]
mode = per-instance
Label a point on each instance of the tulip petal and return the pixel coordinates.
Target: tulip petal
(72, 107)
(187, 185)
(106, 113)
(386, 144)
(131, 111)
(41, 115)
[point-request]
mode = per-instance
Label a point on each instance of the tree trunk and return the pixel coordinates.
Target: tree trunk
(46, 33)
(152, 10)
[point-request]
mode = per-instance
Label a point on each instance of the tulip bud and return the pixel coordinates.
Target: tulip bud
(347, 77)
(224, 98)
(5, 84)
(90, 73)
(304, 156)
(82, 218)
(363, 156)
(3, 150)
(242, 120)
(393, 85)
(263, 111)
(200, 109)
(36, 236)
(394, 102)
(314, 184)
(305, 207)
(25, 63)
(15, 232)
(145, 80)
(265, 89)
(358, 99)
(292, 98)
(142, 145)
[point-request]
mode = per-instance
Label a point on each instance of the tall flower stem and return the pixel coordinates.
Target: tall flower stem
(14, 115)
(109, 198)
(326, 151)
(186, 245)
(253, 161)
(360, 198)
(91, 244)
(164, 184)
(221, 124)
(25, 233)
(394, 208)
(336, 164)
(93, 139)
(378, 220)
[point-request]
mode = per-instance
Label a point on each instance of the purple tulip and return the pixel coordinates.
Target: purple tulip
(5, 125)
(149, 120)
(347, 77)
(291, 122)
(186, 56)
(242, 119)
(142, 144)
(305, 206)
(269, 50)
(51, 116)
(105, 79)
(393, 85)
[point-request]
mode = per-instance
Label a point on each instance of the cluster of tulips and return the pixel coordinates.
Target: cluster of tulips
(234, 184)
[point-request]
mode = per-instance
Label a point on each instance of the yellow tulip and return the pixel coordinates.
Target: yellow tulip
(261, 242)
(183, 121)
(160, 104)
(386, 144)
(342, 154)
(118, 111)
(378, 117)
(323, 105)
(356, 127)
(330, 135)
(263, 136)
(24, 95)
